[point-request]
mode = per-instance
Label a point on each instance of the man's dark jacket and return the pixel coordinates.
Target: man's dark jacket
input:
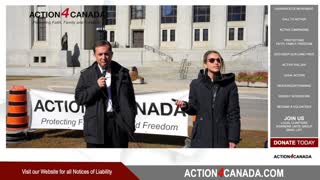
(94, 98)
(216, 106)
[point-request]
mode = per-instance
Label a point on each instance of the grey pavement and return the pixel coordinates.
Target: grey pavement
(253, 101)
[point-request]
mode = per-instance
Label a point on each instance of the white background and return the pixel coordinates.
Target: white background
(146, 156)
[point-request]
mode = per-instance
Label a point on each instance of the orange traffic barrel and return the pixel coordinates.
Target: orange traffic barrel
(17, 113)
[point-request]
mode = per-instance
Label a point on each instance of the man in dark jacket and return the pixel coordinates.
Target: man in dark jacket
(106, 90)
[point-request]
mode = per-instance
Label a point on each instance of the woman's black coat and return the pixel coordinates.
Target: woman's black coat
(216, 106)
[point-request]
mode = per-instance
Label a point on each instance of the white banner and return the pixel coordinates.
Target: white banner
(52, 110)
(157, 113)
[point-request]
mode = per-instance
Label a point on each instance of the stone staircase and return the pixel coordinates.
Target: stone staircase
(252, 59)
(159, 70)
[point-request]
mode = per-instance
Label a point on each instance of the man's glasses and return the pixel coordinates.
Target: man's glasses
(212, 60)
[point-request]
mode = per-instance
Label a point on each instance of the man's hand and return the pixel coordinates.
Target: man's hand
(232, 145)
(101, 82)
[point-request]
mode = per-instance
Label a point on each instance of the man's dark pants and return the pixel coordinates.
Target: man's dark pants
(114, 136)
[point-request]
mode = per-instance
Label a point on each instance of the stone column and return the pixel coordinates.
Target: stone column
(255, 23)
(122, 25)
(184, 27)
(218, 27)
(152, 24)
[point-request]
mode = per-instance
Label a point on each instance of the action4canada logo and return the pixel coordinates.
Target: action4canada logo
(292, 156)
(233, 173)
(67, 12)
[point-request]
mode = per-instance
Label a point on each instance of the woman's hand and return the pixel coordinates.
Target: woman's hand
(180, 104)
(232, 145)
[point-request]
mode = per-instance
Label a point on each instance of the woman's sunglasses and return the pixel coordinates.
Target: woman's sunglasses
(211, 60)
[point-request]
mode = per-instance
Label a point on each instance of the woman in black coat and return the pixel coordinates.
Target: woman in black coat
(214, 99)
